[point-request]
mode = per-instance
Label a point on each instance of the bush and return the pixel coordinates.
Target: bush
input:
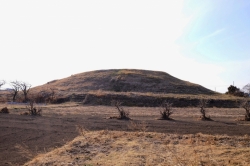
(122, 113)
(233, 90)
(166, 111)
(33, 110)
(5, 110)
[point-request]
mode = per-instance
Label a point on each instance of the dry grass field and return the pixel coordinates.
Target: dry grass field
(74, 134)
(148, 148)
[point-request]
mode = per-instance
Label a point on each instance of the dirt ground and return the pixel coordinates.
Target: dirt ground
(22, 137)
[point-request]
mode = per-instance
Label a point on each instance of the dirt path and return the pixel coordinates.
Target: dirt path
(23, 137)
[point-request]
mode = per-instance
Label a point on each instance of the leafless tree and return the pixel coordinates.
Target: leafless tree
(166, 110)
(246, 105)
(25, 87)
(202, 105)
(2, 82)
(246, 88)
(15, 89)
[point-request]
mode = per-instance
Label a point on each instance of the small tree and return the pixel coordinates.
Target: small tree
(202, 105)
(25, 87)
(246, 105)
(166, 110)
(122, 113)
(15, 89)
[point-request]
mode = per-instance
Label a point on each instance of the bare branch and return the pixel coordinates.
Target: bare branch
(246, 88)
(25, 87)
(2, 82)
(202, 105)
(15, 89)
(122, 113)
(166, 111)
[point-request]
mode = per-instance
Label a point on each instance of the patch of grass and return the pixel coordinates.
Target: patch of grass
(147, 148)
(137, 126)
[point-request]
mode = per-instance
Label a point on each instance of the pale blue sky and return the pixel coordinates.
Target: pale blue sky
(204, 42)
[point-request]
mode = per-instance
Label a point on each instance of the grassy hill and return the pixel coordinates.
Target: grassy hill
(126, 80)
(133, 88)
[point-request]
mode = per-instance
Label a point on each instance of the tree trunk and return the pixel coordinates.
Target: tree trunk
(14, 96)
(247, 116)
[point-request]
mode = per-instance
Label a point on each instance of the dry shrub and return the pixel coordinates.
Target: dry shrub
(33, 110)
(5, 110)
(166, 111)
(123, 114)
(202, 105)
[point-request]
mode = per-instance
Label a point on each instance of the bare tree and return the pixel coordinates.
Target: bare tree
(15, 89)
(202, 105)
(246, 89)
(2, 82)
(166, 111)
(25, 87)
(246, 105)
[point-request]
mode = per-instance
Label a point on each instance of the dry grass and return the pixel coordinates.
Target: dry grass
(147, 148)
(107, 111)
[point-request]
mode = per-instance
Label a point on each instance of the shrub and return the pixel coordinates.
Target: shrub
(166, 111)
(122, 113)
(202, 105)
(5, 110)
(233, 90)
(33, 110)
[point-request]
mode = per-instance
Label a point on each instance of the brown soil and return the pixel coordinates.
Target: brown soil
(23, 137)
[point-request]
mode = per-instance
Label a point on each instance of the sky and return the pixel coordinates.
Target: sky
(204, 42)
